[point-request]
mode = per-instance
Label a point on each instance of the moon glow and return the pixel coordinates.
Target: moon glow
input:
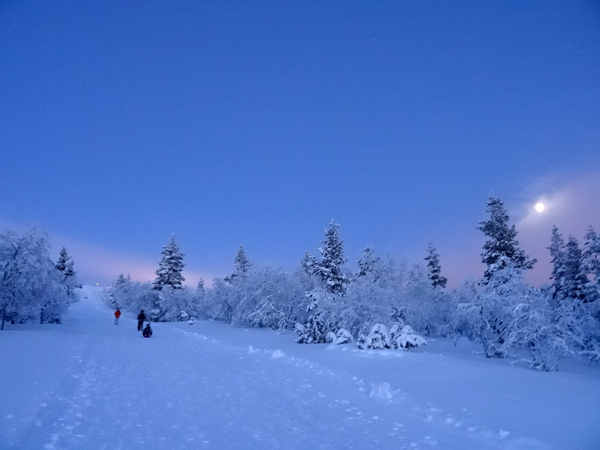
(540, 207)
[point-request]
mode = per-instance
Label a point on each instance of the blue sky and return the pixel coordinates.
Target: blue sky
(256, 123)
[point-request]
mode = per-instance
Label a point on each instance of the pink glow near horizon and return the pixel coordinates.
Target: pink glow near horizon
(99, 265)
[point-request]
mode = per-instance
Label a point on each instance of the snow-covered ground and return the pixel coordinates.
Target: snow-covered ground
(90, 384)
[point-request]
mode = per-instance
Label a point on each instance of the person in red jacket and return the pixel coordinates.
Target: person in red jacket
(117, 315)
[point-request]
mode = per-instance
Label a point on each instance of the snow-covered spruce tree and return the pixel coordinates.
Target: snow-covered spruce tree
(170, 267)
(323, 303)
(531, 328)
(398, 336)
(434, 269)
(591, 258)
(318, 324)
(368, 300)
(219, 301)
(119, 292)
(66, 266)
(332, 259)
(202, 302)
(122, 283)
(510, 316)
(231, 292)
(576, 311)
(242, 266)
(463, 298)
(309, 264)
(558, 254)
(576, 285)
(369, 265)
(501, 251)
(591, 323)
(501, 248)
(200, 287)
(490, 313)
(426, 308)
(378, 338)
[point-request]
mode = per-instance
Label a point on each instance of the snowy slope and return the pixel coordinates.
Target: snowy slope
(90, 384)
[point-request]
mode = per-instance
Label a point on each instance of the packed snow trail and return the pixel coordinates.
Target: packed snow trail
(184, 390)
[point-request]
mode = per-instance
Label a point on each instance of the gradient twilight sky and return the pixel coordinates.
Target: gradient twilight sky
(256, 123)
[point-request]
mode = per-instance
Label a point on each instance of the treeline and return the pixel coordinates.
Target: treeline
(385, 304)
(32, 286)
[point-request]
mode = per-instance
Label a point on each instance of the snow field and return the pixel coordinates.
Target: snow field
(91, 384)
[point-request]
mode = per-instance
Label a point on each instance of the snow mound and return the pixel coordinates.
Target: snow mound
(382, 390)
(277, 354)
(251, 350)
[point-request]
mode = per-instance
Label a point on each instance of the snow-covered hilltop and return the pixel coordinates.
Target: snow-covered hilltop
(89, 383)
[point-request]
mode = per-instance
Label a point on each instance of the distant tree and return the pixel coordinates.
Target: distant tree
(121, 282)
(591, 257)
(434, 268)
(502, 247)
(309, 264)
(369, 265)
(332, 260)
(558, 254)
(242, 263)
(170, 267)
(576, 286)
(120, 291)
(66, 267)
(242, 266)
(200, 287)
(65, 264)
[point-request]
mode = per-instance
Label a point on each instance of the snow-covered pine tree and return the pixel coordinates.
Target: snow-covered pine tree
(324, 303)
(491, 312)
(65, 264)
(571, 314)
(66, 267)
(558, 253)
(309, 264)
(369, 265)
(242, 266)
(120, 283)
(501, 247)
(332, 260)
(576, 285)
(591, 258)
(200, 288)
(242, 263)
(119, 294)
(434, 268)
(170, 267)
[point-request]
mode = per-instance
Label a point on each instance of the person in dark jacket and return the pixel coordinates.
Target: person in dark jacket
(141, 318)
(147, 331)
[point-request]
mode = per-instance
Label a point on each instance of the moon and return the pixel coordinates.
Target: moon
(540, 207)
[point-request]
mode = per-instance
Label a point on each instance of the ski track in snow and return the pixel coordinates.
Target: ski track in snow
(186, 390)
